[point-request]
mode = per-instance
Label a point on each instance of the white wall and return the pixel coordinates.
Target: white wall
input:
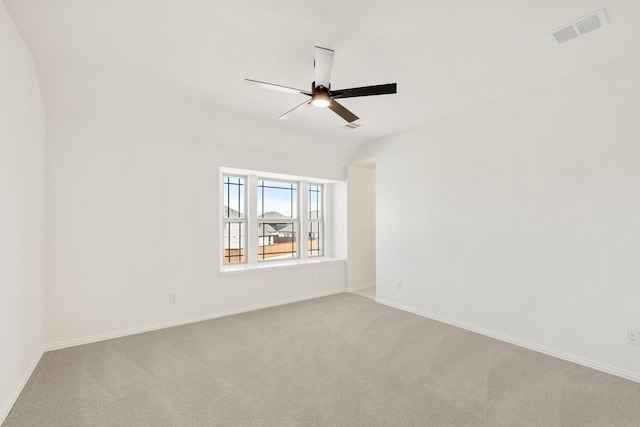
(337, 226)
(22, 132)
(133, 216)
(522, 218)
(361, 272)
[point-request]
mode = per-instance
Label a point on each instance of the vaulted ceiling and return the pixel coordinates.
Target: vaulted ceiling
(178, 62)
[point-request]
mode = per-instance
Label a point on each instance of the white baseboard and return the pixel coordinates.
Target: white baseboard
(363, 286)
(154, 327)
(4, 411)
(531, 346)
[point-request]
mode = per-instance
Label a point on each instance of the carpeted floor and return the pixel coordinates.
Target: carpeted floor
(366, 292)
(336, 361)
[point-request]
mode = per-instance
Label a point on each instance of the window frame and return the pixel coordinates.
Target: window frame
(320, 220)
(251, 221)
(294, 221)
(241, 219)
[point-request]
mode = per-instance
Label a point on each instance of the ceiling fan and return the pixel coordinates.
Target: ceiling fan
(321, 93)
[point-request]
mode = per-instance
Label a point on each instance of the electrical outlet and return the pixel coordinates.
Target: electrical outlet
(633, 337)
(173, 298)
(312, 278)
(399, 286)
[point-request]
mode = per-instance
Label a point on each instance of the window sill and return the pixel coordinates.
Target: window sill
(229, 270)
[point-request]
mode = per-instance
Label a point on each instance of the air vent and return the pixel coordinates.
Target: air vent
(565, 34)
(351, 126)
(579, 27)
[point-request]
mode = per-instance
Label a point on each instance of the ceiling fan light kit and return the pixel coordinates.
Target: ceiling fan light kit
(321, 93)
(321, 98)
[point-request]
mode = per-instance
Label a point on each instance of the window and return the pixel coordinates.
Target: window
(277, 219)
(234, 219)
(268, 219)
(316, 222)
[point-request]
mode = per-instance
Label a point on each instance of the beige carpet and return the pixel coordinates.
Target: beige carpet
(336, 361)
(366, 292)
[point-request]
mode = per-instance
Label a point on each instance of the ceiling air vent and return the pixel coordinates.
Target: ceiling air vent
(579, 27)
(351, 126)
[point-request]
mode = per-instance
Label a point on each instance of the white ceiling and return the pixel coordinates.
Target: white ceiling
(161, 61)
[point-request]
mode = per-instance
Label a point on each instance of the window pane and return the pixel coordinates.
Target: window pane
(316, 237)
(277, 240)
(315, 201)
(277, 199)
(233, 190)
(234, 242)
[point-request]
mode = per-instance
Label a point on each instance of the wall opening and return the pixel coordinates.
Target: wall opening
(361, 242)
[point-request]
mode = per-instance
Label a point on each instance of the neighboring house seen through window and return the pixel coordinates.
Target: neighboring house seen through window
(274, 228)
(234, 219)
(277, 219)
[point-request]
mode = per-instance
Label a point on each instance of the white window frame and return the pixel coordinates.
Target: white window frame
(296, 222)
(251, 220)
(233, 220)
(321, 220)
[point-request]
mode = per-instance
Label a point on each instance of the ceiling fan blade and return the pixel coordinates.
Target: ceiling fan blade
(323, 64)
(295, 110)
(276, 87)
(339, 109)
(365, 91)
